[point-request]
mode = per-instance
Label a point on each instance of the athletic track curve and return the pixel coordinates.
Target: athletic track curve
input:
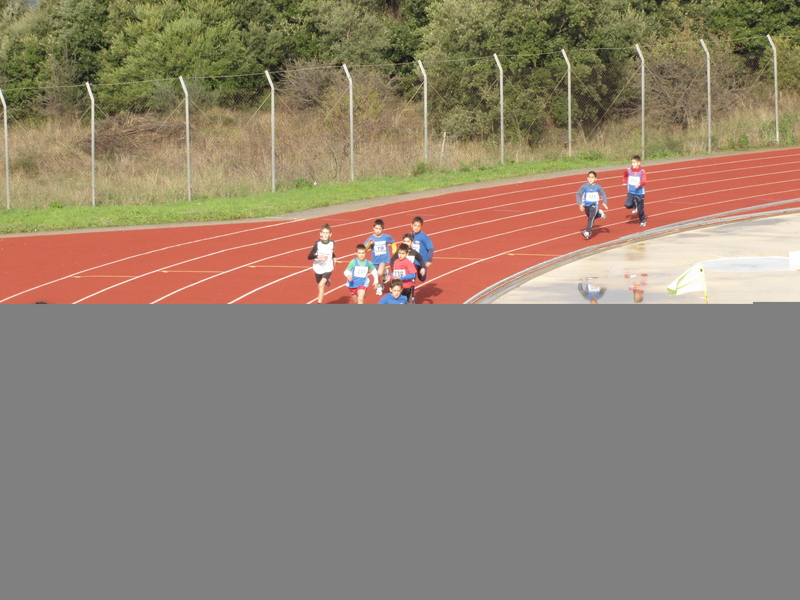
(481, 237)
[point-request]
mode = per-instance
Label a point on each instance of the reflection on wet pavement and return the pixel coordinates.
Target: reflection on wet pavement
(745, 262)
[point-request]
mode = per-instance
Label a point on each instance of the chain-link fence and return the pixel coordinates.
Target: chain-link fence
(336, 123)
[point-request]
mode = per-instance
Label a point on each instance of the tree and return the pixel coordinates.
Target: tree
(164, 41)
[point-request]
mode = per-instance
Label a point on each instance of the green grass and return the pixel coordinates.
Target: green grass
(302, 197)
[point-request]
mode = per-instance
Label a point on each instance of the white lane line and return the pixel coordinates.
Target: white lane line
(119, 260)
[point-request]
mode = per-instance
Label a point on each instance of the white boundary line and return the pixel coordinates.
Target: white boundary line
(526, 187)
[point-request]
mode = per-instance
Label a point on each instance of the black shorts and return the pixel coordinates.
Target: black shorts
(320, 276)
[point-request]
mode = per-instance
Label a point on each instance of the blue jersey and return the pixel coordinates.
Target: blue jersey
(591, 291)
(389, 299)
(360, 270)
(381, 248)
(423, 244)
(591, 194)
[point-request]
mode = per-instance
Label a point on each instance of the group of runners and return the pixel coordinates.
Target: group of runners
(400, 265)
(591, 195)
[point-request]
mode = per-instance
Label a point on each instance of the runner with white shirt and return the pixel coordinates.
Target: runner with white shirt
(324, 260)
(589, 196)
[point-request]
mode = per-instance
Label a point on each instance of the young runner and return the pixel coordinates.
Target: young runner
(396, 294)
(588, 197)
(403, 269)
(357, 275)
(324, 260)
(634, 179)
(380, 244)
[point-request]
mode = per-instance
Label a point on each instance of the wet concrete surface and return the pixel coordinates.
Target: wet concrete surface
(757, 268)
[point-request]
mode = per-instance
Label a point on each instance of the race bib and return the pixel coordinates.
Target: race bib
(633, 181)
(592, 197)
(359, 271)
(379, 248)
(415, 246)
(323, 257)
(399, 273)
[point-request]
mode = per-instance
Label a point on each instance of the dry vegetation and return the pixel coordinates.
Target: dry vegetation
(142, 159)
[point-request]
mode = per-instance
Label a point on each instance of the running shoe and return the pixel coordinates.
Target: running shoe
(585, 234)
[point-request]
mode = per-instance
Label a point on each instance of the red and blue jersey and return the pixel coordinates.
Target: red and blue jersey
(635, 179)
(404, 270)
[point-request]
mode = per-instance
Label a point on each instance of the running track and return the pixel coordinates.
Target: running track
(481, 237)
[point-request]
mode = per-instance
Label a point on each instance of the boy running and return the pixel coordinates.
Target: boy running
(324, 260)
(403, 269)
(357, 275)
(423, 245)
(396, 295)
(634, 180)
(379, 243)
(588, 197)
(413, 255)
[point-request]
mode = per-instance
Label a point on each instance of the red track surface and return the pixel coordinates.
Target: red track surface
(481, 237)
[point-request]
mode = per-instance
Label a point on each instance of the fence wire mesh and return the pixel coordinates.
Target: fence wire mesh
(142, 155)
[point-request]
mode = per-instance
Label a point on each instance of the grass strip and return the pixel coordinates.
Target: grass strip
(281, 202)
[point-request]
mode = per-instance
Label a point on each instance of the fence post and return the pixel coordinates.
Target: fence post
(188, 147)
(641, 57)
(775, 78)
(708, 90)
(94, 188)
(569, 100)
(502, 122)
(352, 137)
(5, 137)
(425, 105)
(272, 126)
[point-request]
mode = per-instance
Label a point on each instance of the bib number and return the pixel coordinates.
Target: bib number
(592, 197)
(360, 271)
(634, 181)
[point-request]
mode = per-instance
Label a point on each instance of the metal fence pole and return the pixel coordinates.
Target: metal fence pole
(94, 187)
(5, 137)
(569, 99)
(502, 122)
(641, 57)
(352, 136)
(424, 105)
(775, 79)
(272, 125)
(188, 147)
(708, 90)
